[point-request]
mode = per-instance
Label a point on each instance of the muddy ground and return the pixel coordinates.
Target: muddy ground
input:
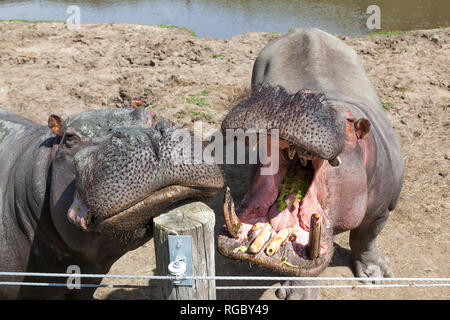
(46, 68)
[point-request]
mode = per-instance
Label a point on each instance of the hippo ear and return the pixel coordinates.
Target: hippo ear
(362, 128)
(55, 123)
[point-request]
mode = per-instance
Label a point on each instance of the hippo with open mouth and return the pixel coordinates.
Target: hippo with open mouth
(85, 192)
(340, 161)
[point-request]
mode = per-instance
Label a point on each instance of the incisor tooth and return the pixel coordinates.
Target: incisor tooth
(261, 239)
(275, 244)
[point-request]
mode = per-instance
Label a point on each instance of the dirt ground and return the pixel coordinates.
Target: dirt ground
(46, 68)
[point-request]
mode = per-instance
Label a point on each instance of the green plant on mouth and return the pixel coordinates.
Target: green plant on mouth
(287, 263)
(292, 184)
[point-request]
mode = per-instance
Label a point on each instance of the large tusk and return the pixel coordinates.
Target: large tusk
(261, 239)
(313, 248)
(231, 219)
(275, 244)
(336, 162)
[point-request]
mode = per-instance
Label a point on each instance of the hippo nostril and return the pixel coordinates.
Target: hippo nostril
(118, 135)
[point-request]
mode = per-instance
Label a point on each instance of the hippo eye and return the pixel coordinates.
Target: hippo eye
(71, 138)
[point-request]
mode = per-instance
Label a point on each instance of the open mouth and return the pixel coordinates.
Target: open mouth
(137, 214)
(282, 222)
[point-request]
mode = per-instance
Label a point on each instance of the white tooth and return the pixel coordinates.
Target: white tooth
(291, 151)
(336, 162)
(303, 161)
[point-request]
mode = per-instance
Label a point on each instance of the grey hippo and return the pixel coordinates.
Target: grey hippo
(340, 162)
(83, 191)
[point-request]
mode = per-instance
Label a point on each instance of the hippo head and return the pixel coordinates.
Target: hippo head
(113, 170)
(286, 219)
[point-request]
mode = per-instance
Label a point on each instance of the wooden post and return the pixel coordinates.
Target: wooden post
(196, 220)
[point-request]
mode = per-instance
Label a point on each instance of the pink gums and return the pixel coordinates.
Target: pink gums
(260, 205)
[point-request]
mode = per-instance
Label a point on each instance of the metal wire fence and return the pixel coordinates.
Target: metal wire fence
(375, 283)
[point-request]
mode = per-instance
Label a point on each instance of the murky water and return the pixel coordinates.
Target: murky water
(224, 19)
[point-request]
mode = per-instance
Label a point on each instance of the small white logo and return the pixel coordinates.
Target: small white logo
(73, 282)
(74, 20)
(374, 21)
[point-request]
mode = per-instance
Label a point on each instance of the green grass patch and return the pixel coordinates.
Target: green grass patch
(386, 33)
(181, 114)
(386, 105)
(198, 98)
(194, 113)
(207, 116)
(31, 21)
(222, 56)
(291, 29)
(177, 27)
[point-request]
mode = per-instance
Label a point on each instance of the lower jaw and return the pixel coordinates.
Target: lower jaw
(140, 215)
(285, 261)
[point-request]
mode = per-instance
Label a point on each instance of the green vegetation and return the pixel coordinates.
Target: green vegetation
(194, 113)
(180, 114)
(287, 263)
(386, 33)
(291, 29)
(386, 105)
(198, 98)
(31, 21)
(177, 27)
(222, 56)
(292, 184)
(207, 116)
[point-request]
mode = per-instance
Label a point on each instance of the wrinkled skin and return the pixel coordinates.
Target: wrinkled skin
(313, 88)
(85, 192)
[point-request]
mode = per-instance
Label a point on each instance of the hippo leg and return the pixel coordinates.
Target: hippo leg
(299, 294)
(367, 259)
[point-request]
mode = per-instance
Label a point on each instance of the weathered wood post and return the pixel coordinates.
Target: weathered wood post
(196, 220)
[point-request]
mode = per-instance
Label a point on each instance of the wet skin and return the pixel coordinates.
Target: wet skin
(335, 140)
(84, 191)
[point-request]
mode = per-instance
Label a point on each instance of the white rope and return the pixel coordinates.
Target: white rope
(369, 286)
(168, 277)
(344, 286)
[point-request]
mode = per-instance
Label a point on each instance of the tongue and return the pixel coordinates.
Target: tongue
(287, 217)
(77, 213)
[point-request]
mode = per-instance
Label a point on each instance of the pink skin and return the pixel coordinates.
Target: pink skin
(77, 213)
(338, 194)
